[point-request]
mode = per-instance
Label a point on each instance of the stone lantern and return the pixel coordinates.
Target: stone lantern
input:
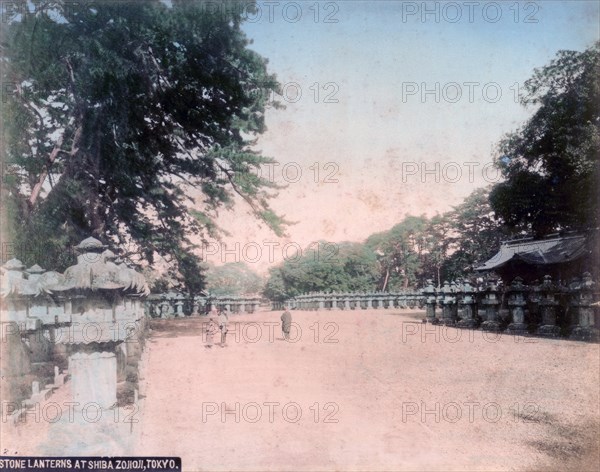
(320, 302)
(467, 305)
(334, 301)
(378, 300)
(448, 303)
(582, 297)
(106, 313)
(517, 301)
(179, 307)
(346, 301)
(429, 294)
(255, 305)
(548, 305)
(491, 303)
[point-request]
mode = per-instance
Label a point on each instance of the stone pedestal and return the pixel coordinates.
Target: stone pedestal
(448, 314)
(448, 302)
(179, 307)
(467, 314)
(170, 310)
(430, 312)
(195, 309)
(430, 304)
(516, 304)
(466, 307)
(518, 325)
(582, 298)
(548, 305)
(491, 304)
(93, 378)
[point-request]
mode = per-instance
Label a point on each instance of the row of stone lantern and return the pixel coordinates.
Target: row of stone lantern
(489, 307)
(178, 305)
(354, 301)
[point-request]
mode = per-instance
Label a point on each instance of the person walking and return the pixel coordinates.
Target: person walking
(223, 320)
(286, 324)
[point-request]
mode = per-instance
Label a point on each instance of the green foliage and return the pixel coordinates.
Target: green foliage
(474, 235)
(552, 163)
(233, 278)
(123, 110)
(399, 251)
(324, 266)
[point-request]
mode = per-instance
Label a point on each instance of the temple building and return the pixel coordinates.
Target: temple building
(562, 256)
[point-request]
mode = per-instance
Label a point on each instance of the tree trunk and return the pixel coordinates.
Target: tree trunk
(35, 193)
(385, 280)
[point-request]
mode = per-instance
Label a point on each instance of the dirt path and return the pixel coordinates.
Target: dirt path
(386, 396)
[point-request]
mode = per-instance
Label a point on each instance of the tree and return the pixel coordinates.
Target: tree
(324, 267)
(233, 278)
(436, 248)
(132, 122)
(473, 236)
(400, 251)
(552, 163)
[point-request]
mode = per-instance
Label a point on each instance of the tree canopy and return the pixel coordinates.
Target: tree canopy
(324, 267)
(233, 278)
(552, 163)
(443, 247)
(132, 122)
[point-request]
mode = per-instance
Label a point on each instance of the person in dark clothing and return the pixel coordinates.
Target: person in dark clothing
(286, 324)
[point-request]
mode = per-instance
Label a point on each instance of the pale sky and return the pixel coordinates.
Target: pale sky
(379, 132)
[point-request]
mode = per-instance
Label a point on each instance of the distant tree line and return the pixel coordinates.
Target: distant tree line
(442, 247)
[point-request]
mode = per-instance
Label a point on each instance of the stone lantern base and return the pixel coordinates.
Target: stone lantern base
(585, 333)
(549, 331)
(93, 378)
(490, 326)
(467, 323)
(517, 328)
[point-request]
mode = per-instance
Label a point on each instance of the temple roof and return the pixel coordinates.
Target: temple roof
(538, 252)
